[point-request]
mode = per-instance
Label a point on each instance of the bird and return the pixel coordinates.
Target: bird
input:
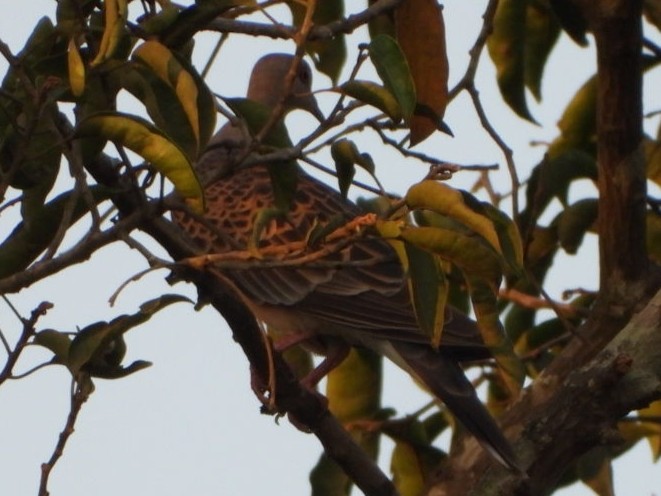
(361, 300)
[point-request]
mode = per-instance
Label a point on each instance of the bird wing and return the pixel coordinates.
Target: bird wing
(360, 287)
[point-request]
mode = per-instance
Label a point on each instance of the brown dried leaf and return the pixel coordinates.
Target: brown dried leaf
(421, 35)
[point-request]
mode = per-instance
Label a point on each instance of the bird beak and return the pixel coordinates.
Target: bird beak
(309, 104)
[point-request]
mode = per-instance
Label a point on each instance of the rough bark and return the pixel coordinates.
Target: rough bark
(557, 418)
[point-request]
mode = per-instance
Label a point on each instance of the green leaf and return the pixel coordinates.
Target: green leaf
(194, 19)
(99, 348)
(284, 175)
(429, 291)
(343, 152)
(44, 54)
(552, 178)
(38, 159)
(457, 294)
(256, 115)
(382, 24)
(57, 342)
(97, 345)
(509, 238)
(71, 16)
(28, 240)
(346, 155)
(328, 479)
(594, 469)
(260, 222)
(506, 46)
(120, 371)
(162, 21)
(392, 68)
(571, 19)
(578, 122)
(354, 387)
(181, 91)
(329, 54)
(458, 205)
(162, 105)
(353, 390)
(374, 95)
(542, 33)
(539, 335)
(574, 221)
(35, 162)
(151, 144)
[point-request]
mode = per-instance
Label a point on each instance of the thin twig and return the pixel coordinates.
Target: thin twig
(31, 370)
(535, 352)
(467, 83)
(10, 203)
(79, 397)
(504, 148)
(569, 327)
(73, 154)
(212, 57)
(134, 278)
(79, 253)
(26, 334)
(536, 303)
(5, 343)
(322, 32)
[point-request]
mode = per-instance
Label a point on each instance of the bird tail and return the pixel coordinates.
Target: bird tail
(446, 380)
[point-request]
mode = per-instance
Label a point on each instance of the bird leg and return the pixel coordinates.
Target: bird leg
(336, 352)
(333, 350)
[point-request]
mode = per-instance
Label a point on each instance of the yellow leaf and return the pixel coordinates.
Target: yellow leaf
(652, 151)
(375, 95)
(147, 141)
(442, 199)
(161, 60)
(115, 15)
(469, 253)
(654, 439)
(409, 475)
(594, 469)
(354, 397)
(485, 304)
(76, 69)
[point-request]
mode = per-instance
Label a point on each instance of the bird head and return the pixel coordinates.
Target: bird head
(268, 84)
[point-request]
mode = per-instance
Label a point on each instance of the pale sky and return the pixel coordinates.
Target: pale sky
(190, 424)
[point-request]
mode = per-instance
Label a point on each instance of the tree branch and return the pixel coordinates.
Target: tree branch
(625, 376)
(78, 398)
(325, 32)
(26, 334)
